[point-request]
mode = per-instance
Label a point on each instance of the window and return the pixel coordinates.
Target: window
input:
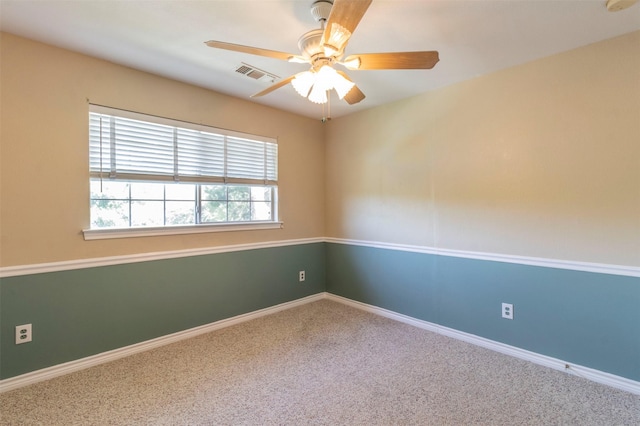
(149, 173)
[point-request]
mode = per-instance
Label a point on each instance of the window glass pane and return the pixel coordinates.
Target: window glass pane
(213, 211)
(147, 191)
(107, 213)
(109, 189)
(261, 193)
(239, 193)
(147, 213)
(260, 210)
(239, 211)
(214, 192)
(180, 213)
(180, 191)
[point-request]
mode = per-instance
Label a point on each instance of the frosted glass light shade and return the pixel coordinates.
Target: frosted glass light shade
(326, 77)
(338, 37)
(342, 85)
(318, 95)
(352, 64)
(315, 84)
(302, 82)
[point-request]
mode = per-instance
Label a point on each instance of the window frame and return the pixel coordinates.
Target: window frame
(198, 180)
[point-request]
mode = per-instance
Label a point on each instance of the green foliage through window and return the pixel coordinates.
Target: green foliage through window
(117, 204)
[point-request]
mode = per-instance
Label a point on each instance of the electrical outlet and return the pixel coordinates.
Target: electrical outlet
(23, 333)
(507, 311)
(301, 276)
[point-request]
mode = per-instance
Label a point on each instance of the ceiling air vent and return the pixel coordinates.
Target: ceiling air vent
(256, 73)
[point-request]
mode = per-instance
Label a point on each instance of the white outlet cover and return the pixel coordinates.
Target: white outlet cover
(507, 311)
(23, 333)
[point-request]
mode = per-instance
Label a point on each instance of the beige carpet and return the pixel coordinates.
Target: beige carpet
(322, 363)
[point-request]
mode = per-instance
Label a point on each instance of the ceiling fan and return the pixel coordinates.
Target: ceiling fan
(324, 47)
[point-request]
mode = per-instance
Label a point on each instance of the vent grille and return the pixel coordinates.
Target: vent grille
(243, 69)
(256, 73)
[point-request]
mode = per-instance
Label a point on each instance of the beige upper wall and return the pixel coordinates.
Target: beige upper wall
(540, 160)
(44, 174)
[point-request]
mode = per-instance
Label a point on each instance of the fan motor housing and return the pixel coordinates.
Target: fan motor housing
(309, 43)
(311, 48)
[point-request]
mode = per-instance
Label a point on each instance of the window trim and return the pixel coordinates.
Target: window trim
(155, 231)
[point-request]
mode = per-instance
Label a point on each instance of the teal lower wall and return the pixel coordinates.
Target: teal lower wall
(584, 318)
(84, 312)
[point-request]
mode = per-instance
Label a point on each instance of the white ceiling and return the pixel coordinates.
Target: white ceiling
(166, 37)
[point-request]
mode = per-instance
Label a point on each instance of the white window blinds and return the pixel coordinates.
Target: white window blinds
(131, 146)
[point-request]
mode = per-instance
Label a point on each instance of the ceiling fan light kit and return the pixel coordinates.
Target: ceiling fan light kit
(315, 85)
(324, 47)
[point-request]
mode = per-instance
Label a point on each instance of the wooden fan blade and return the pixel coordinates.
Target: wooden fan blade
(354, 95)
(395, 60)
(345, 14)
(249, 49)
(273, 87)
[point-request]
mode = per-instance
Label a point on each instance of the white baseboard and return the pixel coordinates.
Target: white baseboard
(80, 364)
(557, 364)
(93, 360)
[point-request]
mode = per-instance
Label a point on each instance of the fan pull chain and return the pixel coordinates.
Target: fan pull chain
(327, 117)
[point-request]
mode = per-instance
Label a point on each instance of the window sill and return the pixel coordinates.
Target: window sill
(103, 234)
